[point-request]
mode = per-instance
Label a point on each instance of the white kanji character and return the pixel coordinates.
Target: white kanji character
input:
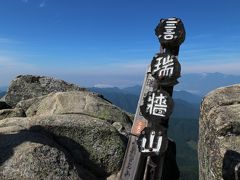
(151, 103)
(157, 105)
(164, 65)
(158, 65)
(167, 66)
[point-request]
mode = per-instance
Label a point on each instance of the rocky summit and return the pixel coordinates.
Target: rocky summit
(27, 86)
(219, 135)
(50, 129)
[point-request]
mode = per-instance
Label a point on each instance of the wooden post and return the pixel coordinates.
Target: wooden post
(148, 141)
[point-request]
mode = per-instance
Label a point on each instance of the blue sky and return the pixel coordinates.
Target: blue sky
(110, 42)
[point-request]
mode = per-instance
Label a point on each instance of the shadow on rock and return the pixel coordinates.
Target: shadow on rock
(231, 165)
(170, 168)
(76, 155)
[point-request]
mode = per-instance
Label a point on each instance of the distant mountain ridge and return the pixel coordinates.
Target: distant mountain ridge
(202, 83)
(183, 124)
(3, 88)
(127, 99)
(2, 93)
(197, 83)
(133, 90)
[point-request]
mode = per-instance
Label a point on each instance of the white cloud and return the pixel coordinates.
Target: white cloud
(115, 69)
(103, 85)
(200, 36)
(227, 68)
(8, 41)
(10, 67)
(43, 3)
(105, 75)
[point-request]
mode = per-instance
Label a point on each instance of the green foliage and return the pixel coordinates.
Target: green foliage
(122, 99)
(185, 133)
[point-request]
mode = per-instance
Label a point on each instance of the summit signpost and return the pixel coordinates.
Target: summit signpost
(148, 141)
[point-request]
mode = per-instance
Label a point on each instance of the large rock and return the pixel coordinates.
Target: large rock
(76, 102)
(93, 143)
(58, 130)
(34, 156)
(219, 134)
(28, 86)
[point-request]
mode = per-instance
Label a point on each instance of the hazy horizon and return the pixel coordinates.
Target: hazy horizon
(195, 83)
(111, 43)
